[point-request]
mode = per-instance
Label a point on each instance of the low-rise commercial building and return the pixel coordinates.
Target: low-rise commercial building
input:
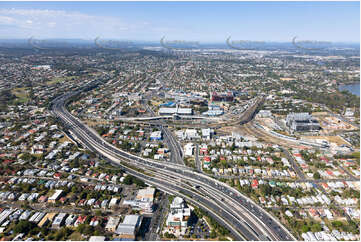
(128, 229)
(156, 135)
(179, 214)
(112, 224)
(188, 149)
(143, 201)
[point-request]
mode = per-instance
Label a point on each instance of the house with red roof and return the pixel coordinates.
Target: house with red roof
(325, 185)
(313, 212)
(42, 199)
(254, 184)
(206, 161)
(203, 151)
(81, 202)
(330, 173)
(80, 220)
(63, 200)
(57, 175)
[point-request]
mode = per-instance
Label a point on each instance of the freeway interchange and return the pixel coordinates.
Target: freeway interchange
(176, 155)
(240, 215)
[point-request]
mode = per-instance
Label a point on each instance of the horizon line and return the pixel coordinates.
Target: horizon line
(199, 42)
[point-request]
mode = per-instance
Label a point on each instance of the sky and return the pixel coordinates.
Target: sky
(206, 22)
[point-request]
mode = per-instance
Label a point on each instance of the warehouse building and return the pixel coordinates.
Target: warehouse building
(213, 110)
(177, 110)
(128, 229)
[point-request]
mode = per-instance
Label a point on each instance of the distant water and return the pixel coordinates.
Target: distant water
(353, 88)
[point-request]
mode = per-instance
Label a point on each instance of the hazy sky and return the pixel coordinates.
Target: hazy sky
(193, 21)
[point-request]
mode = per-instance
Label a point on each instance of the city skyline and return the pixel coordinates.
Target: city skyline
(207, 22)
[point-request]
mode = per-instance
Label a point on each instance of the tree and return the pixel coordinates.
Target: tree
(222, 230)
(24, 227)
(26, 157)
(305, 228)
(233, 147)
(266, 189)
(74, 189)
(169, 236)
(213, 234)
(316, 175)
(62, 233)
(337, 224)
(81, 228)
(88, 230)
(44, 231)
(316, 227)
(98, 213)
(129, 180)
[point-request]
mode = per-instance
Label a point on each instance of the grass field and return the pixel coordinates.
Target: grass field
(59, 80)
(21, 94)
(93, 123)
(76, 236)
(63, 139)
(334, 139)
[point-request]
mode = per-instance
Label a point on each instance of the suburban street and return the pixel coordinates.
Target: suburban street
(157, 219)
(294, 165)
(197, 161)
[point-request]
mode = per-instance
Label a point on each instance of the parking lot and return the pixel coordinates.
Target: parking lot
(198, 229)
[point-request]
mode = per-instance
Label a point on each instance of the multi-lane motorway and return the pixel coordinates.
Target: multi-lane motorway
(244, 218)
(174, 146)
